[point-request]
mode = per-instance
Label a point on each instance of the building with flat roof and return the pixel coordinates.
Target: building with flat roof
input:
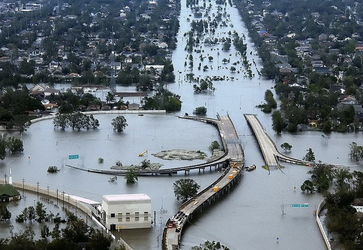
(126, 211)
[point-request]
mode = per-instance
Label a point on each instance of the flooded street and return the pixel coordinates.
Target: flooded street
(252, 216)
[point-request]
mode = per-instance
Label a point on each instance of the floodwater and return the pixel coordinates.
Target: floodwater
(256, 215)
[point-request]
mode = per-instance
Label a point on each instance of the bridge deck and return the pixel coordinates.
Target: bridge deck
(172, 233)
(268, 148)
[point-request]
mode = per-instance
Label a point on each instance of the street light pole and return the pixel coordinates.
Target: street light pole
(23, 187)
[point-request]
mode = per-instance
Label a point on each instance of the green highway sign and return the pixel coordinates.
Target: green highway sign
(73, 157)
(300, 205)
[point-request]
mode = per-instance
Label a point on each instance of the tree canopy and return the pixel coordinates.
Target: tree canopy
(163, 100)
(286, 146)
(185, 189)
(119, 123)
(75, 120)
(310, 156)
(131, 176)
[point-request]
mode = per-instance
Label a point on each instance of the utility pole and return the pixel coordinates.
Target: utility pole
(23, 187)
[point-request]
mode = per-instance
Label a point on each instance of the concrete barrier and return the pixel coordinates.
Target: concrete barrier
(320, 225)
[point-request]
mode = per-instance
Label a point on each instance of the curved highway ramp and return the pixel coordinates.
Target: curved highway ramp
(268, 148)
(174, 226)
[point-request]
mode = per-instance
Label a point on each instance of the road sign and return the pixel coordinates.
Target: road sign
(73, 157)
(300, 205)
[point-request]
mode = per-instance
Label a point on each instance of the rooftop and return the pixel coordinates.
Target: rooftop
(8, 190)
(125, 197)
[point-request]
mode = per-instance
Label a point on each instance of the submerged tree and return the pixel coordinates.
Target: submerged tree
(308, 186)
(185, 189)
(200, 110)
(119, 123)
(210, 246)
(4, 213)
(278, 123)
(286, 146)
(131, 176)
(310, 156)
(356, 151)
(214, 145)
(15, 144)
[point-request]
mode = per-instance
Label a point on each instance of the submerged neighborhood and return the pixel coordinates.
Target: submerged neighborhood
(311, 51)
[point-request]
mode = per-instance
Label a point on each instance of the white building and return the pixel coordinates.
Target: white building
(126, 211)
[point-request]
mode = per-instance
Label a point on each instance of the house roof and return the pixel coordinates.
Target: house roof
(8, 190)
(357, 202)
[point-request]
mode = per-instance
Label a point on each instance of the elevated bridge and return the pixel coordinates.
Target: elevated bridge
(229, 140)
(235, 157)
(268, 148)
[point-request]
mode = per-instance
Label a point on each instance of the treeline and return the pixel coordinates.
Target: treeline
(76, 120)
(9, 144)
(342, 219)
(76, 234)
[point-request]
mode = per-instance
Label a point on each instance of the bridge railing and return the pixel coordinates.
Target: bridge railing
(205, 189)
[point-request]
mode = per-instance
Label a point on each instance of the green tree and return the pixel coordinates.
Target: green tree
(31, 213)
(185, 189)
(15, 144)
(355, 151)
(322, 176)
(214, 145)
(3, 145)
(342, 178)
(200, 110)
(40, 211)
(286, 147)
(98, 240)
(61, 121)
(210, 246)
(22, 240)
(163, 100)
(94, 123)
(307, 186)
(75, 231)
(56, 233)
(24, 214)
(44, 232)
(20, 121)
(131, 176)
(4, 213)
(145, 164)
(310, 156)
(278, 123)
(110, 97)
(119, 123)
